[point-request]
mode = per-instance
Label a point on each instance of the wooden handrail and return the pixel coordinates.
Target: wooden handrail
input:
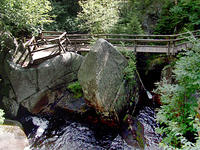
(119, 35)
(29, 42)
(52, 32)
(128, 35)
(150, 43)
(62, 35)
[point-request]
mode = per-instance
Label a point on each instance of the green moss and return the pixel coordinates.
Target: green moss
(76, 89)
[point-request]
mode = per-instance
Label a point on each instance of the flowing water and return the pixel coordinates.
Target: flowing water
(65, 131)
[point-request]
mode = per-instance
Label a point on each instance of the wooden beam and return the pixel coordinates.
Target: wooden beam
(41, 49)
(52, 32)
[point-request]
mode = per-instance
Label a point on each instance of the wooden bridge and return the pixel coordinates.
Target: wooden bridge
(51, 43)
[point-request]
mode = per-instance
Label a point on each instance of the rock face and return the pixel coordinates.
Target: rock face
(12, 138)
(101, 78)
(34, 88)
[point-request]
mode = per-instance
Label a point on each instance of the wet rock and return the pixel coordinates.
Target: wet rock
(119, 143)
(71, 104)
(12, 138)
(134, 133)
(101, 77)
(39, 101)
(147, 118)
(47, 100)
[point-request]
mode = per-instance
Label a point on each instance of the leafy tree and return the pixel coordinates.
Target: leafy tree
(128, 20)
(22, 16)
(175, 18)
(64, 13)
(147, 12)
(99, 16)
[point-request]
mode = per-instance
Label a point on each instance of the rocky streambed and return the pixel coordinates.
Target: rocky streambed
(67, 131)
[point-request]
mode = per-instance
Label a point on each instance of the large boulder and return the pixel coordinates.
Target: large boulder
(34, 88)
(102, 80)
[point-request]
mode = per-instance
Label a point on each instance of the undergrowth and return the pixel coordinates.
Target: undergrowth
(129, 71)
(178, 115)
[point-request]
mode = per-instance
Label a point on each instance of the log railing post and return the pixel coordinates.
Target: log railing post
(66, 42)
(30, 55)
(59, 46)
(75, 46)
(41, 35)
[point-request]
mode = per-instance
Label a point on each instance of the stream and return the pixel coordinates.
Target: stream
(67, 131)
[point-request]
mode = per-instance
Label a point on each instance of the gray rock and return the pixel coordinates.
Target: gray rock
(13, 123)
(47, 100)
(120, 143)
(10, 106)
(23, 81)
(12, 138)
(68, 102)
(34, 87)
(101, 77)
(58, 70)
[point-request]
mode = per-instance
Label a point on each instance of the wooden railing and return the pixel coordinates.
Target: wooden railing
(59, 42)
(34, 45)
(26, 50)
(169, 44)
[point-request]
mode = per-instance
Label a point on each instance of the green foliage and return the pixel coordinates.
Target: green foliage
(147, 12)
(22, 16)
(64, 13)
(1, 116)
(99, 16)
(76, 89)
(175, 18)
(178, 113)
(128, 20)
(129, 71)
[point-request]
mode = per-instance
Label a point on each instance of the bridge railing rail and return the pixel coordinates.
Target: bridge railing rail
(26, 50)
(61, 41)
(141, 43)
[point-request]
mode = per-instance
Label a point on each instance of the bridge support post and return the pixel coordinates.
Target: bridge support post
(135, 46)
(75, 47)
(173, 48)
(66, 42)
(169, 48)
(30, 55)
